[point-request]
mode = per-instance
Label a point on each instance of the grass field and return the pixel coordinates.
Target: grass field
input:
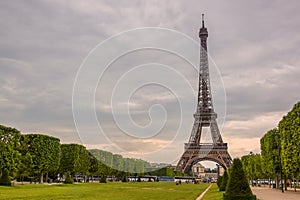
(115, 191)
(213, 193)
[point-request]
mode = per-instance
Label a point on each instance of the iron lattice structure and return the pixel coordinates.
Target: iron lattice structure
(205, 116)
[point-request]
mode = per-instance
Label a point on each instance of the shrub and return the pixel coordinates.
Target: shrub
(237, 187)
(124, 179)
(5, 180)
(103, 179)
(224, 181)
(68, 179)
(219, 181)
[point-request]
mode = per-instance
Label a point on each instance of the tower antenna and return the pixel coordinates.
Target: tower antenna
(202, 20)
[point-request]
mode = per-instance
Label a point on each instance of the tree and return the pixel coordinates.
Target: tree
(68, 179)
(74, 159)
(26, 166)
(252, 165)
(5, 179)
(82, 164)
(94, 166)
(119, 163)
(103, 179)
(270, 148)
(45, 152)
(224, 181)
(237, 186)
(9, 145)
(289, 129)
(219, 181)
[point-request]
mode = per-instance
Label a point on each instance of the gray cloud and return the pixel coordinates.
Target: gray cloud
(255, 45)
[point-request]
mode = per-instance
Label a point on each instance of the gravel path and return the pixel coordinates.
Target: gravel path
(266, 193)
(203, 193)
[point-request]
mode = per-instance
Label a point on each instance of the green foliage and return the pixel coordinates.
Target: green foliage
(117, 162)
(68, 179)
(165, 171)
(124, 179)
(289, 129)
(26, 166)
(219, 181)
(44, 150)
(35, 155)
(5, 180)
(83, 161)
(224, 181)
(252, 165)
(9, 145)
(269, 145)
(103, 179)
(238, 186)
(94, 165)
(74, 158)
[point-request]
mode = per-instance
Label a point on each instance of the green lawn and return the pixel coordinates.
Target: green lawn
(213, 193)
(115, 191)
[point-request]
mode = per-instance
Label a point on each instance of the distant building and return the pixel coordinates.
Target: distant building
(160, 165)
(198, 170)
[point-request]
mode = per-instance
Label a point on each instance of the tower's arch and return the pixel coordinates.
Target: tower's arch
(196, 160)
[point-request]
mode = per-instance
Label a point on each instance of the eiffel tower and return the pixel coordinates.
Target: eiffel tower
(205, 116)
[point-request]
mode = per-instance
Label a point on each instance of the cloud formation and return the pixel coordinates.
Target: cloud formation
(255, 45)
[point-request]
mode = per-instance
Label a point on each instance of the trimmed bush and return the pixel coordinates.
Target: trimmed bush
(124, 179)
(219, 181)
(5, 180)
(238, 187)
(68, 179)
(224, 181)
(103, 179)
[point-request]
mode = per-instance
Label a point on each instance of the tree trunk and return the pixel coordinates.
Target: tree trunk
(47, 177)
(285, 183)
(277, 182)
(297, 181)
(41, 179)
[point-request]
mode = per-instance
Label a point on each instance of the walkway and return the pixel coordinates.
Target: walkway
(203, 193)
(266, 193)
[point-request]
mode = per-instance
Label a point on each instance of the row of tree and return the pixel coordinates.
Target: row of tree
(39, 157)
(119, 163)
(280, 152)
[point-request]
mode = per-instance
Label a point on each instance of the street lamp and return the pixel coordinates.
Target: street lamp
(280, 167)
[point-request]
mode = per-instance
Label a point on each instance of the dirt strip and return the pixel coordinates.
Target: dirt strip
(203, 193)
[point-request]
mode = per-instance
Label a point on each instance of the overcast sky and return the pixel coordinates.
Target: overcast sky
(254, 45)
